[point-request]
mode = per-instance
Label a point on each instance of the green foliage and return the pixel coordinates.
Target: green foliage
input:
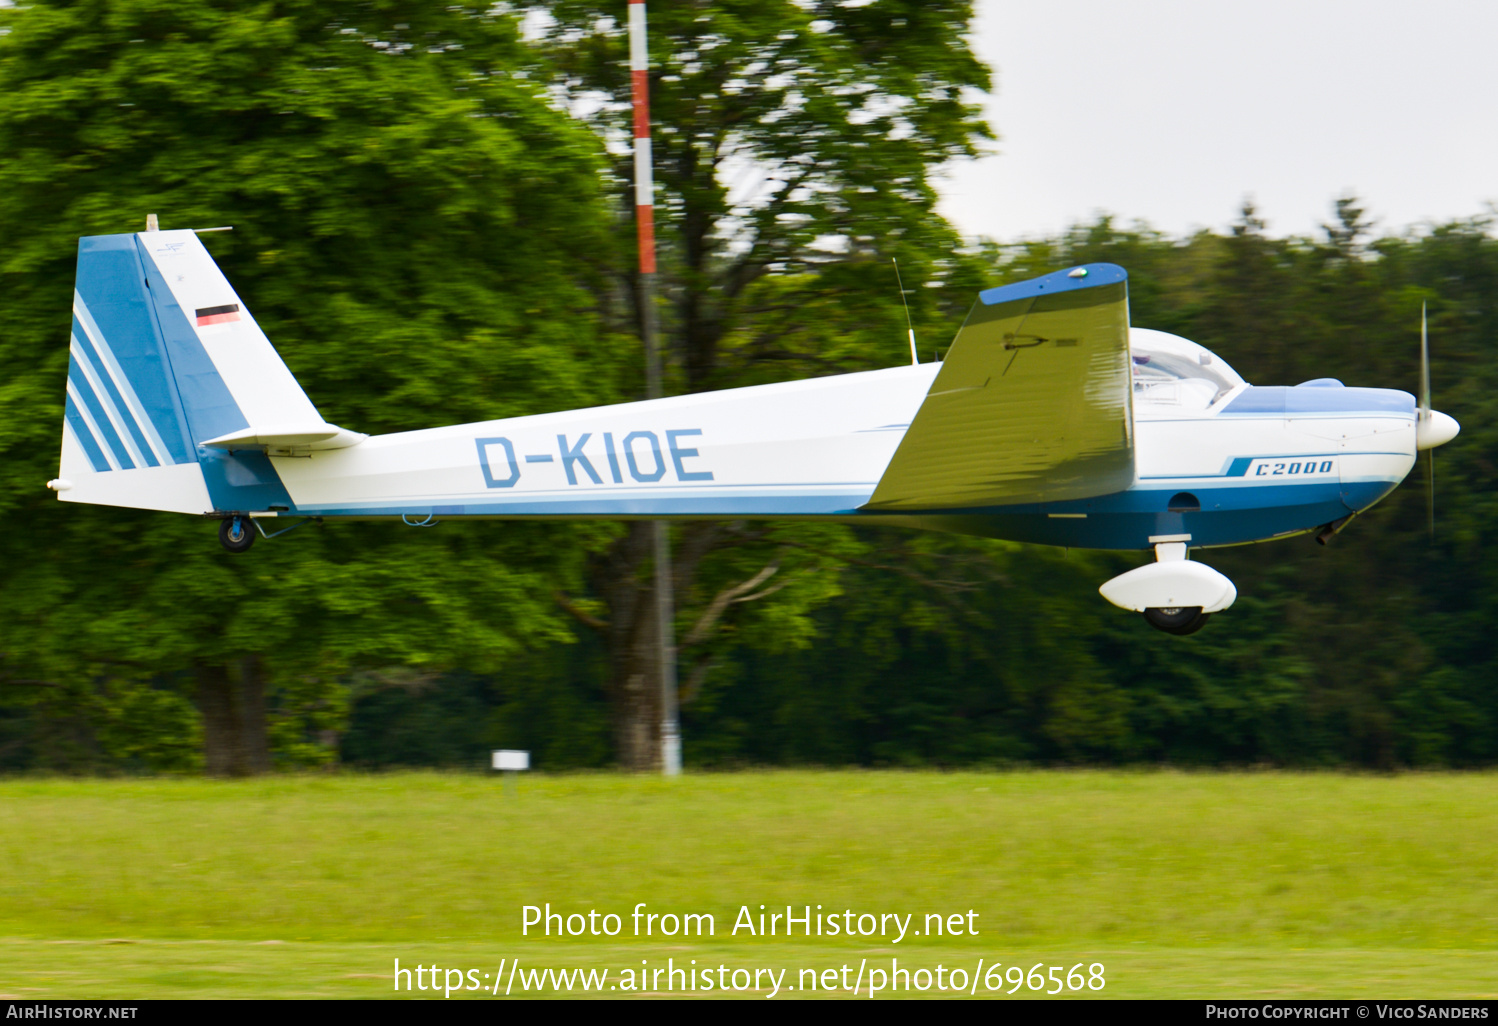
(145, 727)
(1372, 651)
(429, 237)
(551, 703)
(416, 227)
(796, 146)
(788, 137)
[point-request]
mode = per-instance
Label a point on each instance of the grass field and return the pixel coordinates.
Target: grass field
(1181, 885)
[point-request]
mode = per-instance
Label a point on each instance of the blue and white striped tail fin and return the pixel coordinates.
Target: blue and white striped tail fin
(164, 362)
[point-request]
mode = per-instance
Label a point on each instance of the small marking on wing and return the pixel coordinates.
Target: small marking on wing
(968, 388)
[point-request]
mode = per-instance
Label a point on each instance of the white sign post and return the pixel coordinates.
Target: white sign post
(511, 760)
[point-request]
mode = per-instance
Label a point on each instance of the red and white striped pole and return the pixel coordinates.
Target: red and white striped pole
(639, 87)
(670, 739)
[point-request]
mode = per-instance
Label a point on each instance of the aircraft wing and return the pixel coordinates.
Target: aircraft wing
(1032, 404)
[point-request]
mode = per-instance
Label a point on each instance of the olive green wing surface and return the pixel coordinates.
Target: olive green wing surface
(1032, 404)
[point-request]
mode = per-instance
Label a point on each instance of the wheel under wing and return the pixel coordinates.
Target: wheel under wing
(1032, 404)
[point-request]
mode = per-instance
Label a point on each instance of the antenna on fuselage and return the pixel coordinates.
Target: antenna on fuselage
(908, 325)
(1430, 454)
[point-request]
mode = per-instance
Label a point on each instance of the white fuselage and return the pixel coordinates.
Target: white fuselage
(177, 401)
(817, 448)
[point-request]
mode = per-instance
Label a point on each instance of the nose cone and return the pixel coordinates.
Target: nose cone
(1435, 429)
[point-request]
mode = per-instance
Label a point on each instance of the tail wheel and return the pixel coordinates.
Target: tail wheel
(1180, 620)
(236, 534)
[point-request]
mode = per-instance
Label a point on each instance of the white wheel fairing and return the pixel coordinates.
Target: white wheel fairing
(1178, 583)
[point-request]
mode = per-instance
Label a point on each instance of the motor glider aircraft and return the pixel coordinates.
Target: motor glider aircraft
(1050, 420)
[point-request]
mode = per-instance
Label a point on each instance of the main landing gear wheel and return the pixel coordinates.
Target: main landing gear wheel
(1177, 619)
(1175, 594)
(236, 534)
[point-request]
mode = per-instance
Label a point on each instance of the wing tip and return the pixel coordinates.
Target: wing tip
(1067, 279)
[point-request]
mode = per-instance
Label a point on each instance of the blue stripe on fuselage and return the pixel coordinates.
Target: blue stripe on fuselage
(1228, 516)
(1230, 513)
(636, 505)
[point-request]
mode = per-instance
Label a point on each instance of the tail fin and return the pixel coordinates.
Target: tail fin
(175, 395)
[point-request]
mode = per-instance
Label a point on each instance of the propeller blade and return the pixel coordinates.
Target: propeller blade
(1430, 493)
(1424, 367)
(1430, 454)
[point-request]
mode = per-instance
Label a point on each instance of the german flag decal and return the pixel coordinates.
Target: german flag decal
(218, 314)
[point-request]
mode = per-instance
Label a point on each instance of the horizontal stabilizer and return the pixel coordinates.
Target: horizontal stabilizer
(1032, 403)
(288, 436)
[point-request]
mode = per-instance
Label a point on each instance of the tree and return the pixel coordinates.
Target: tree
(1382, 626)
(417, 229)
(795, 146)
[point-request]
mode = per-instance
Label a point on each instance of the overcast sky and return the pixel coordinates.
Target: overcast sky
(1171, 111)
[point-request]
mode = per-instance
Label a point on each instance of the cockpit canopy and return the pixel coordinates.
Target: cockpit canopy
(1176, 372)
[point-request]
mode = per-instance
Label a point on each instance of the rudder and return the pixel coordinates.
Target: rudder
(126, 440)
(174, 393)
